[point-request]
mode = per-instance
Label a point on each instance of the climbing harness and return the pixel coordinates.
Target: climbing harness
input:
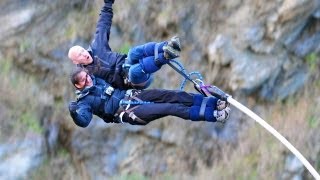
(125, 106)
(209, 90)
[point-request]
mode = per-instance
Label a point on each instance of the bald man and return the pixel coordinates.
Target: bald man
(122, 72)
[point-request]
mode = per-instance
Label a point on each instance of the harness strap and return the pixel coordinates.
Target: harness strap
(156, 56)
(131, 114)
(137, 99)
(130, 95)
(203, 107)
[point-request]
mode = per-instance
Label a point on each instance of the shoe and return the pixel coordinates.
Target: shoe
(222, 104)
(170, 52)
(223, 115)
(174, 42)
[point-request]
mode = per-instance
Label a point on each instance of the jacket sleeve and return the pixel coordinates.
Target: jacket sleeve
(83, 114)
(101, 38)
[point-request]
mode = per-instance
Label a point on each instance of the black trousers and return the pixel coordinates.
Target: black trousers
(165, 103)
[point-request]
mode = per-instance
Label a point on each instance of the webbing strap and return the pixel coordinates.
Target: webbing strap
(136, 118)
(129, 110)
(131, 115)
(203, 107)
(137, 99)
(156, 55)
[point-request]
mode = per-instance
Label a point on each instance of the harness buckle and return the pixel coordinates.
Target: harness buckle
(109, 90)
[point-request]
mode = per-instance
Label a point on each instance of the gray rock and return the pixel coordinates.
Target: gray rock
(16, 21)
(307, 45)
(20, 157)
(221, 51)
(274, 75)
(255, 34)
(316, 14)
(291, 18)
(288, 80)
(293, 168)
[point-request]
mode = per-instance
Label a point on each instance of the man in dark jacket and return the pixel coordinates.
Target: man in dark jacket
(138, 107)
(102, 62)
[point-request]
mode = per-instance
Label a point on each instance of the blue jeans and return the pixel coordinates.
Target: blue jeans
(142, 62)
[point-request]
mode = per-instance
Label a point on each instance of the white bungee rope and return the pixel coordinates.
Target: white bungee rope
(274, 132)
(222, 95)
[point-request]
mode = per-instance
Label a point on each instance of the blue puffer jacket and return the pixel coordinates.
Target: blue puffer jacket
(106, 64)
(94, 100)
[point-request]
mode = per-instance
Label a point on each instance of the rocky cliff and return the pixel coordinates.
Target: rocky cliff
(261, 52)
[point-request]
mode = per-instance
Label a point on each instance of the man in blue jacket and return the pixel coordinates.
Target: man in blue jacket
(143, 60)
(138, 107)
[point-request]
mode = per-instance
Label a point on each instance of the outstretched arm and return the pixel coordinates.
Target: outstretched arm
(81, 113)
(101, 38)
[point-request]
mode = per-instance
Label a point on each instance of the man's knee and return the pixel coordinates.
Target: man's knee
(135, 54)
(144, 84)
(148, 65)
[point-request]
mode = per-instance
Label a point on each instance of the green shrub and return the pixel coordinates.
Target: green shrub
(124, 49)
(313, 121)
(24, 46)
(131, 176)
(31, 122)
(312, 60)
(5, 65)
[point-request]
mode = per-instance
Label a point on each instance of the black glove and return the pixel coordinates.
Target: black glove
(73, 107)
(112, 1)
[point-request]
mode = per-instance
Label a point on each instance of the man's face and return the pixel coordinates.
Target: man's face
(84, 80)
(78, 55)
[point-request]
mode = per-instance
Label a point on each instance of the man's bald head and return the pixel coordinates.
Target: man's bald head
(79, 55)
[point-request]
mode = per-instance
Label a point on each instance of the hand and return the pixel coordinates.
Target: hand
(73, 107)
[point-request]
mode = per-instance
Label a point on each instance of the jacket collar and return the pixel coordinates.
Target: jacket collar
(84, 92)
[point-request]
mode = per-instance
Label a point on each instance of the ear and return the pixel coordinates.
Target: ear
(77, 86)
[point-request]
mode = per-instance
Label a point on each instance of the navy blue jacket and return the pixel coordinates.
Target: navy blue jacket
(94, 100)
(106, 64)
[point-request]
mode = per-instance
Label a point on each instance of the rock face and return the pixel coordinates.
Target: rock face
(20, 157)
(253, 47)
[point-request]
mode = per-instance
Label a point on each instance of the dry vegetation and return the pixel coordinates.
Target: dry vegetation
(259, 155)
(20, 101)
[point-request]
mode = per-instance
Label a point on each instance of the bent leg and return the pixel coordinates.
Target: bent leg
(137, 53)
(138, 78)
(145, 56)
(143, 64)
(155, 58)
(149, 48)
